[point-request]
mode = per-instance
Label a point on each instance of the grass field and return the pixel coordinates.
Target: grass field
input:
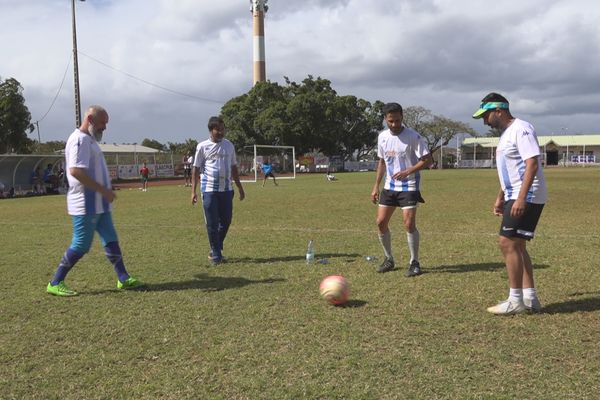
(256, 328)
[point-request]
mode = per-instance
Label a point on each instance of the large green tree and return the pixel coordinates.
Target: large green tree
(15, 119)
(153, 144)
(309, 115)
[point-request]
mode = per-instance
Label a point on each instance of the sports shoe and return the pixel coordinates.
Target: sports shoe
(212, 259)
(507, 307)
(532, 305)
(130, 283)
(60, 289)
(414, 269)
(386, 266)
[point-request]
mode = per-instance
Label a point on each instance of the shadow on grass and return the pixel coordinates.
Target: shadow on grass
(209, 283)
(453, 269)
(320, 256)
(571, 306)
(354, 304)
(202, 282)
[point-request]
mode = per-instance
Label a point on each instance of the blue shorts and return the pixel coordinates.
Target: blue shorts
(84, 227)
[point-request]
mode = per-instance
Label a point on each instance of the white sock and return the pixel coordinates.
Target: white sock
(386, 243)
(413, 244)
(529, 293)
(515, 295)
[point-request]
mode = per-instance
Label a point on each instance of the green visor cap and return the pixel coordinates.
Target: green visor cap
(492, 105)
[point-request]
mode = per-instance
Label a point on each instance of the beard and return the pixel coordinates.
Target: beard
(96, 133)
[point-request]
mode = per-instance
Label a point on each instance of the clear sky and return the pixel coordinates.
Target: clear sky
(162, 67)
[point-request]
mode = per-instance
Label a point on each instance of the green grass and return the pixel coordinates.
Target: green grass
(256, 328)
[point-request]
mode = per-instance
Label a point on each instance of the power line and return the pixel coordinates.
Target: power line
(151, 83)
(57, 93)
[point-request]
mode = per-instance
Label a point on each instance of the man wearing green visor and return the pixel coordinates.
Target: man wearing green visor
(520, 200)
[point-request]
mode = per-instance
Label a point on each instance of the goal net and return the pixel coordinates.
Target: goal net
(282, 158)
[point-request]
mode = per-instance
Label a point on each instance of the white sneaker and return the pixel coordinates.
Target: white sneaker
(532, 305)
(507, 307)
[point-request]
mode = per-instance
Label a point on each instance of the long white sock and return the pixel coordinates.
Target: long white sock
(413, 244)
(515, 295)
(529, 293)
(386, 243)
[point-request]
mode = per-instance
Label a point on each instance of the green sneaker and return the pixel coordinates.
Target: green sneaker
(130, 283)
(60, 289)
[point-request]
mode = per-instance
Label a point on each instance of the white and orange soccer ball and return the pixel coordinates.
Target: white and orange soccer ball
(335, 289)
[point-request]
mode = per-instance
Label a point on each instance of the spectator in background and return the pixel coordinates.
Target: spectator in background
(37, 181)
(144, 174)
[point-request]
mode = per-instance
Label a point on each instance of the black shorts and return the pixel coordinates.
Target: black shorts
(524, 226)
(187, 172)
(391, 198)
(269, 174)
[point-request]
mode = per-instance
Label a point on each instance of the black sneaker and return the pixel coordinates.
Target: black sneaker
(386, 266)
(414, 269)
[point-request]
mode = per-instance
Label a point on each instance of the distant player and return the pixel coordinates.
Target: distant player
(520, 200)
(267, 169)
(188, 161)
(402, 154)
(144, 175)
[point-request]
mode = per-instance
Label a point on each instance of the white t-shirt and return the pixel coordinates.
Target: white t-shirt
(517, 144)
(401, 152)
(215, 161)
(82, 151)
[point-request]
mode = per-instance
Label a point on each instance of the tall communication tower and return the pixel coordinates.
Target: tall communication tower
(259, 8)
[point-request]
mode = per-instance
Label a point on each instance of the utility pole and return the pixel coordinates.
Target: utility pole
(259, 8)
(76, 69)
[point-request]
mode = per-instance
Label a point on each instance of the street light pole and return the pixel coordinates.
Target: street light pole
(76, 69)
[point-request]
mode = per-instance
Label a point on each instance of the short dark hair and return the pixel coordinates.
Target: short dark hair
(494, 98)
(214, 122)
(392, 107)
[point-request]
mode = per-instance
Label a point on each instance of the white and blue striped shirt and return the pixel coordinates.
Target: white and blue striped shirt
(82, 151)
(215, 159)
(401, 152)
(517, 144)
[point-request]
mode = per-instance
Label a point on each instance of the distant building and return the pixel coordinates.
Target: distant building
(480, 152)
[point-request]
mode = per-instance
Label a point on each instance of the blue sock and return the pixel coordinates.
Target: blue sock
(113, 253)
(68, 260)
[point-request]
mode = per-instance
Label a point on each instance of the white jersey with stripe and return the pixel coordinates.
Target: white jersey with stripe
(215, 159)
(517, 144)
(82, 151)
(401, 152)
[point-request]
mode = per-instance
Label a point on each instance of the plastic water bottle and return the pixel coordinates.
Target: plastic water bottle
(310, 253)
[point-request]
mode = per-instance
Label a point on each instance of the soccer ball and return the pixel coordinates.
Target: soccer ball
(334, 289)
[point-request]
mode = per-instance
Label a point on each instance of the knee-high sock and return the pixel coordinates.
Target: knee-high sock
(386, 242)
(413, 244)
(68, 261)
(113, 253)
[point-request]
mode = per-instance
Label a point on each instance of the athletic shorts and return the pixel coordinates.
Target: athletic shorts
(390, 198)
(269, 174)
(84, 227)
(524, 226)
(144, 178)
(187, 172)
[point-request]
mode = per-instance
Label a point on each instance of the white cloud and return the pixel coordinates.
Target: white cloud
(440, 54)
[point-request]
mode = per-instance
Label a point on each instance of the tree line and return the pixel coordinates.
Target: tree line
(309, 115)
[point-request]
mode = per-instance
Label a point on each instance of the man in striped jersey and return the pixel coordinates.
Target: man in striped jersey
(215, 166)
(402, 154)
(520, 200)
(89, 202)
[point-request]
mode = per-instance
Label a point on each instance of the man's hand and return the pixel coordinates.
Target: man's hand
(242, 194)
(375, 195)
(194, 198)
(401, 175)
(108, 194)
(518, 208)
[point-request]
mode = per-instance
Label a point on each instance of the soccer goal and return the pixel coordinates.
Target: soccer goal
(282, 158)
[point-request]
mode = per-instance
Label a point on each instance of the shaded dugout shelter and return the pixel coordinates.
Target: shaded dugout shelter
(556, 150)
(16, 169)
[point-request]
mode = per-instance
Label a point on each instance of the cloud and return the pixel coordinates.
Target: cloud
(162, 66)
